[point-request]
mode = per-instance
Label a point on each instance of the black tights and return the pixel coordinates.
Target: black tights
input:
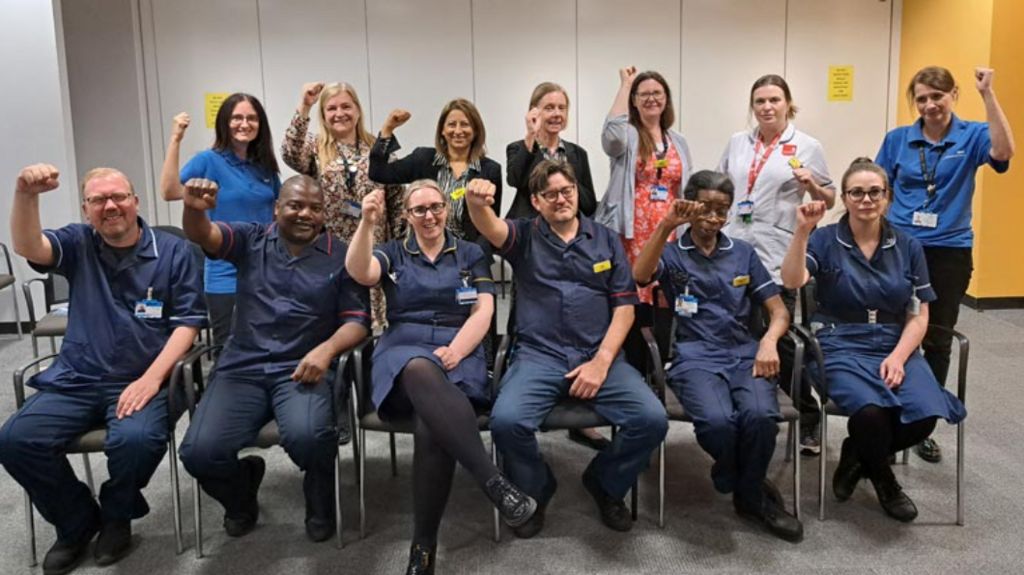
(446, 432)
(877, 433)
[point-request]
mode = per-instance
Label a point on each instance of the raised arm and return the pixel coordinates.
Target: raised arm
(794, 265)
(201, 195)
(170, 175)
(998, 125)
(296, 150)
(621, 104)
(26, 232)
(480, 202)
(682, 212)
(359, 260)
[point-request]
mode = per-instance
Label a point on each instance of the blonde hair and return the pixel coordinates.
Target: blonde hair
(326, 148)
(420, 185)
(103, 172)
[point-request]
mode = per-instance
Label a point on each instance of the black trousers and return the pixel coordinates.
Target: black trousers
(949, 270)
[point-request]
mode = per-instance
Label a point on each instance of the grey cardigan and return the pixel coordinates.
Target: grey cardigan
(620, 141)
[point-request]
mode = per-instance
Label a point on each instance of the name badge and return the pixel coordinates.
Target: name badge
(740, 281)
(661, 164)
(458, 193)
(789, 150)
(465, 295)
(352, 209)
(659, 193)
(914, 308)
(794, 163)
(745, 211)
(925, 220)
(602, 266)
(149, 309)
(686, 305)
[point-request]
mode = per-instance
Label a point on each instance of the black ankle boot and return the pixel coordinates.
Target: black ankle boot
(848, 473)
(515, 507)
(895, 503)
(421, 560)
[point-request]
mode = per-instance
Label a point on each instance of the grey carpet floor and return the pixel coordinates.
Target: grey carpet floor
(701, 535)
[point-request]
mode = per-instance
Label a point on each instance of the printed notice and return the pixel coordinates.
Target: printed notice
(213, 102)
(840, 83)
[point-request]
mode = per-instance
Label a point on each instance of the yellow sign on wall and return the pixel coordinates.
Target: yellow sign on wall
(213, 102)
(840, 83)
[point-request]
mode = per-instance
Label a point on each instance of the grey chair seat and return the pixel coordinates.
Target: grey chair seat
(6, 280)
(676, 412)
(52, 325)
(572, 414)
(269, 435)
(91, 441)
(372, 422)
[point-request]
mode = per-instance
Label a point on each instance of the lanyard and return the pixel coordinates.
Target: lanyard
(660, 156)
(757, 165)
(929, 177)
(350, 169)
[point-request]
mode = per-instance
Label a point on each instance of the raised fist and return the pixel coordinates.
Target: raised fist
(37, 179)
(627, 75)
(480, 192)
(983, 79)
(683, 212)
(533, 122)
(373, 206)
(201, 194)
(310, 92)
(395, 120)
(178, 126)
(808, 215)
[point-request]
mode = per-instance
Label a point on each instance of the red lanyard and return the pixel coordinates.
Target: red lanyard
(755, 165)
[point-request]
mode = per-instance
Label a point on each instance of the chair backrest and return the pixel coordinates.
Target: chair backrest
(55, 290)
(808, 302)
(197, 252)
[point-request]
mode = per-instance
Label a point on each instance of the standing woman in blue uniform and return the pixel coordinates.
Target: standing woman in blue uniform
(429, 364)
(931, 165)
(721, 373)
(457, 157)
(774, 166)
(873, 299)
(242, 163)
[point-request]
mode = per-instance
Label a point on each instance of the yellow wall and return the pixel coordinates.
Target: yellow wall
(960, 35)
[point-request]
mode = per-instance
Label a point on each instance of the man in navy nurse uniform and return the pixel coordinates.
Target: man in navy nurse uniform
(135, 308)
(297, 310)
(575, 298)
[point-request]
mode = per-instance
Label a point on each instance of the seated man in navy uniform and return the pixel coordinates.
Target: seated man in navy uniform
(136, 305)
(574, 307)
(297, 310)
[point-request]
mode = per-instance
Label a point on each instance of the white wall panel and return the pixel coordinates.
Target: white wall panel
(421, 56)
(612, 35)
(725, 47)
(315, 41)
(517, 45)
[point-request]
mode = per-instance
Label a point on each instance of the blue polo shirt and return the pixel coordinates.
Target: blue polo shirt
(422, 291)
(565, 292)
(955, 161)
(246, 194)
(105, 342)
(726, 283)
(286, 305)
(849, 282)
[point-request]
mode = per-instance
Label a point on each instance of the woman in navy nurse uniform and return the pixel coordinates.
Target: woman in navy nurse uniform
(872, 295)
(429, 364)
(932, 164)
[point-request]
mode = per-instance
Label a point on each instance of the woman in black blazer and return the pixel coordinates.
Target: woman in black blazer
(548, 116)
(458, 156)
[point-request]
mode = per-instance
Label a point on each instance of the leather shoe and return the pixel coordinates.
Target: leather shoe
(772, 515)
(242, 523)
(319, 530)
(929, 451)
(848, 473)
(595, 443)
(114, 542)
(895, 503)
(421, 560)
(514, 506)
(64, 556)
(613, 511)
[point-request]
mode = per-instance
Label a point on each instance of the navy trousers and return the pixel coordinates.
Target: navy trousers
(33, 446)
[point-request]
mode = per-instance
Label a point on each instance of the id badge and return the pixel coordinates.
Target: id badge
(914, 308)
(745, 211)
(458, 194)
(659, 193)
(351, 209)
(465, 295)
(925, 219)
(149, 309)
(686, 305)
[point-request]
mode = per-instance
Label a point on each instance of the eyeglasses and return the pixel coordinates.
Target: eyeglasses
(551, 196)
(239, 118)
(656, 96)
(421, 211)
(710, 211)
(119, 198)
(873, 194)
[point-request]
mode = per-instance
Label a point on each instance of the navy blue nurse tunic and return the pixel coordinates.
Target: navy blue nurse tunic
(848, 283)
(423, 313)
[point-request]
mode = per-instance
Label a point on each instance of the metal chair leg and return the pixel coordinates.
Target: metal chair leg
(337, 496)
(794, 453)
(362, 483)
(30, 524)
(53, 344)
(960, 473)
(17, 313)
(35, 348)
(661, 484)
(172, 450)
(906, 456)
(497, 522)
(790, 439)
(88, 474)
(197, 514)
(394, 460)
(821, 464)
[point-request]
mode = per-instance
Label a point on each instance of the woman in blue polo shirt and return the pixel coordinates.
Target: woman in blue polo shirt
(242, 163)
(429, 363)
(931, 165)
(873, 299)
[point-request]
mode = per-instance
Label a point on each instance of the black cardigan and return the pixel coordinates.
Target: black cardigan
(521, 164)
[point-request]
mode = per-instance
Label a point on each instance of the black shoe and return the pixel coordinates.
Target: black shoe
(421, 560)
(64, 556)
(114, 542)
(896, 503)
(848, 473)
(595, 443)
(810, 440)
(772, 514)
(929, 451)
(772, 493)
(242, 523)
(515, 507)
(345, 428)
(319, 530)
(613, 511)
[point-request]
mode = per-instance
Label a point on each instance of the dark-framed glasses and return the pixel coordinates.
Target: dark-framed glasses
(436, 208)
(874, 194)
(551, 195)
(98, 201)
